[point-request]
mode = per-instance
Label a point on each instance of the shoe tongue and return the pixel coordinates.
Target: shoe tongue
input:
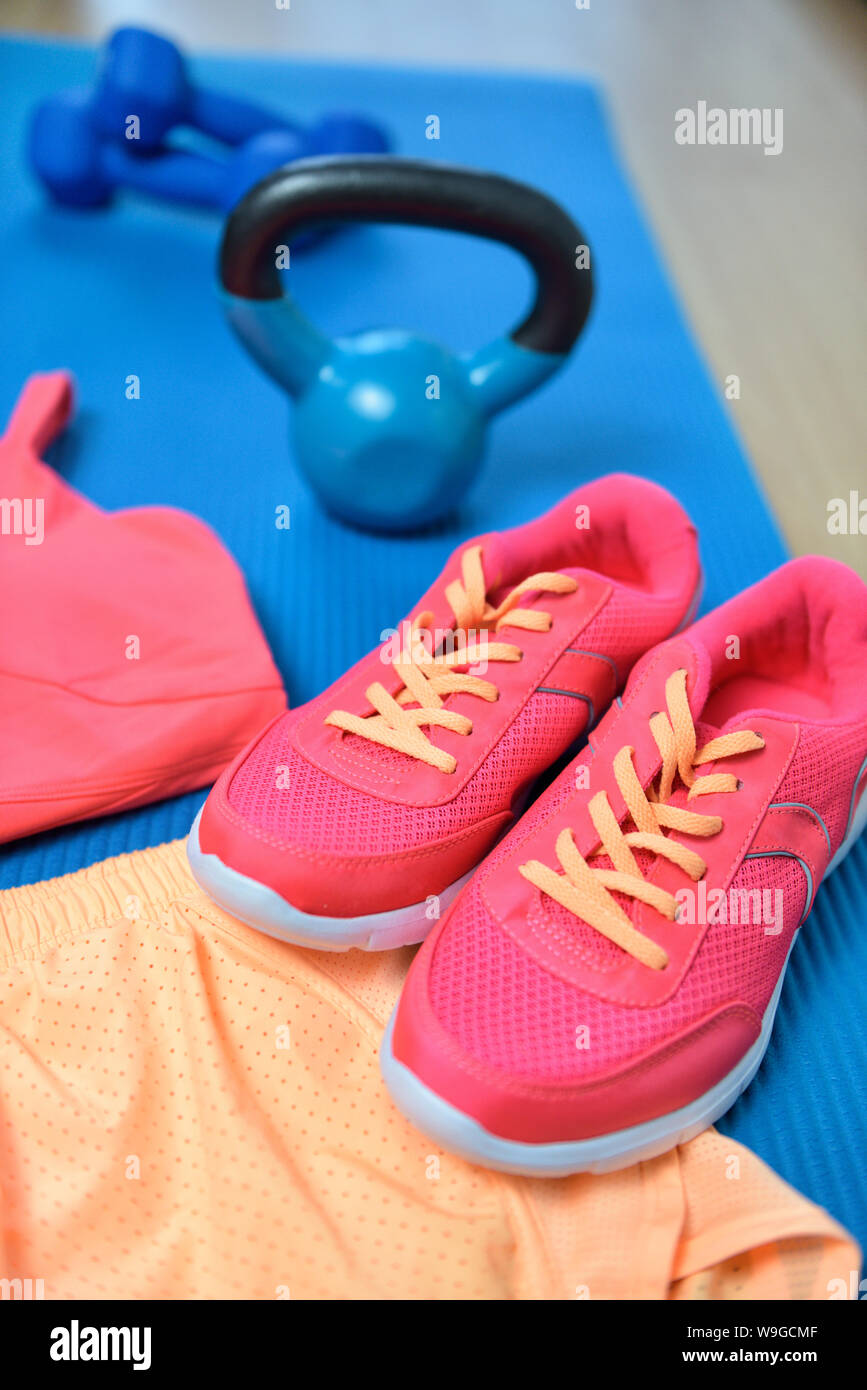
(691, 652)
(497, 564)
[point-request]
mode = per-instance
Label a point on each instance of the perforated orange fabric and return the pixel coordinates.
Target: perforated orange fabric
(192, 1110)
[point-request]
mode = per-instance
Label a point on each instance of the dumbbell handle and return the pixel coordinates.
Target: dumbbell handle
(172, 174)
(231, 119)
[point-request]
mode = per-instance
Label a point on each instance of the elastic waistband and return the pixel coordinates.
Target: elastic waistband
(40, 915)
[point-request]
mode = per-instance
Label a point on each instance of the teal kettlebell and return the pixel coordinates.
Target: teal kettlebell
(389, 427)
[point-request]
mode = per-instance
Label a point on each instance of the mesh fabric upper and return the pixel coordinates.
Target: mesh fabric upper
(303, 806)
(507, 1011)
(628, 626)
(823, 771)
(319, 812)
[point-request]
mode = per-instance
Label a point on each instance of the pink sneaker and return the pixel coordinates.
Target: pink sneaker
(605, 987)
(353, 820)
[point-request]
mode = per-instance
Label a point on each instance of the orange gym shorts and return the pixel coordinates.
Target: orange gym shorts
(193, 1110)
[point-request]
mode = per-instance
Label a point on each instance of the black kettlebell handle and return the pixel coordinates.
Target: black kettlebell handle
(414, 192)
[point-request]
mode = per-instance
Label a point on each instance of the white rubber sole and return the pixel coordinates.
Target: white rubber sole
(260, 907)
(460, 1134)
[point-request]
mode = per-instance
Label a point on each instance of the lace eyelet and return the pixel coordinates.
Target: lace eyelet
(739, 786)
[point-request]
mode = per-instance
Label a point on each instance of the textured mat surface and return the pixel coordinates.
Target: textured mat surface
(132, 291)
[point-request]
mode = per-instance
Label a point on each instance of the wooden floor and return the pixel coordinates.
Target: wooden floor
(767, 252)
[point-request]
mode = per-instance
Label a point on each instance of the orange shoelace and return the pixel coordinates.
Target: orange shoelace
(429, 677)
(588, 892)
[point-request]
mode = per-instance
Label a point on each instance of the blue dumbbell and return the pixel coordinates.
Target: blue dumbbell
(84, 143)
(82, 169)
(388, 426)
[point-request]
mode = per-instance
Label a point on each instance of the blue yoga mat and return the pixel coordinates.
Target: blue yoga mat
(131, 290)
